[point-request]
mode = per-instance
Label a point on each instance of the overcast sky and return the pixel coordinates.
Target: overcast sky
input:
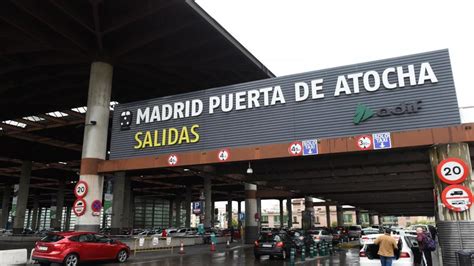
(297, 36)
(302, 35)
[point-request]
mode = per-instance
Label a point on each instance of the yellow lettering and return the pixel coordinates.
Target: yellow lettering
(147, 141)
(155, 142)
(138, 140)
(195, 133)
(184, 136)
(173, 136)
(163, 137)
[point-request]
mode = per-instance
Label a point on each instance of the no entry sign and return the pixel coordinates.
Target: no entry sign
(79, 207)
(81, 189)
(364, 142)
(452, 170)
(457, 198)
(295, 148)
(223, 155)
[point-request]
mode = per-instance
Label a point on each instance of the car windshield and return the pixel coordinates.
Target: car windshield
(314, 232)
(51, 238)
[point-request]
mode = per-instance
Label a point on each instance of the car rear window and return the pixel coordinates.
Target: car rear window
(313, 232)
(354, 228)
(51, 238)
(270, 237)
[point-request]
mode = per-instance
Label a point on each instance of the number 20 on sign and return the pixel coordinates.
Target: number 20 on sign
(81, 189)
(452, 170)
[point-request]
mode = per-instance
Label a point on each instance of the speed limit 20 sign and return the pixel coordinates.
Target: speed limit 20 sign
(81, 189)
(452, 171)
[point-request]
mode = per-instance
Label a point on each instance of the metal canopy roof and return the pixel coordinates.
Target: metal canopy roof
(157, 48)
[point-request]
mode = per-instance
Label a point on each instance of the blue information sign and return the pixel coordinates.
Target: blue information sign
(382, 141)
(310, 147)
(241, 216)
(197, 207)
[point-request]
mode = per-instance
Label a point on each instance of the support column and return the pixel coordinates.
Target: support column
(357, 213)
(259, 211)
(56, 222)
(7, 194)
(178, 212)
(239, 211)
(251, 226)
(94, 147)
(213, 215)
(208, 202)
(328, 216)
(34, 220)
(453, 227)
(22, 198)
(340, 215)
(118, 203)
(187, 204)
(67, 223)
(289, 210)
(282, 223)
(308, 214)
(379, 219)
(229, 213)
(371, 219)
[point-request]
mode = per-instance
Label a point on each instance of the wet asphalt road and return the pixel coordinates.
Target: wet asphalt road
(242, 257)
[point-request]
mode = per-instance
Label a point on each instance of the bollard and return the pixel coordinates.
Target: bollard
(228, 244)
(331, 248)
(303, 251)
(292, 257)
(213, 246)
(181, 248)
(311, 251)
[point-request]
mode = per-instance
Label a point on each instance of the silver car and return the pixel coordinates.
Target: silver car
(321, 235)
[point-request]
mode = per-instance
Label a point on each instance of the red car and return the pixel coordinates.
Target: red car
(70, 248)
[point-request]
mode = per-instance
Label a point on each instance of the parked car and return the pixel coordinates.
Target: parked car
(301, 240)
(339, 234)
(321, 235)
(71, 248)
(408, 252)
(184, 232)
(354, 231)
(273, 244)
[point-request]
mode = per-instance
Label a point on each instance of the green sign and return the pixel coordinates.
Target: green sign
(362, 113)
(108, 198)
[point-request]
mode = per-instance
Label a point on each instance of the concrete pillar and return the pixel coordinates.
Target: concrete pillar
(22, 198)
(371, 219)
(282, 223)
(56, 222)
(208, 208)
(229, 213)
(118, 203)
(379, 219)
(328, 216)
(259, 211)
(340, 215)
(289, 210)
(170, 218)
(187, 205)
(178, 212)
(308, 214)
(453, 226)
(94, 146)
(34, 219)
(358, 220)
(7, 194)
(239, 211)
(67, 223)
(251, 226)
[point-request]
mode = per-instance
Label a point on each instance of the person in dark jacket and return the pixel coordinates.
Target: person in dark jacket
(422, 238)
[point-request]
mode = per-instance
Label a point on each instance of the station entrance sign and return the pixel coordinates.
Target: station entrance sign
(457, 198)
(452, 170)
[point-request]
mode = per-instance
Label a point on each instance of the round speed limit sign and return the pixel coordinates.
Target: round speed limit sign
(172, 159)
(296, 148)
(81, 189)
(364, 142)
(452, 170)
(223, 155)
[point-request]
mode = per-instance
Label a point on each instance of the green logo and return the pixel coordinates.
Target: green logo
(362, 113)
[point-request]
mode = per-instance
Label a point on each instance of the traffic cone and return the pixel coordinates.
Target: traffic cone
(181, 249)
(228, 244)
(213, 246)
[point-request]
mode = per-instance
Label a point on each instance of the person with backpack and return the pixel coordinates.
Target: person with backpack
(426, 245)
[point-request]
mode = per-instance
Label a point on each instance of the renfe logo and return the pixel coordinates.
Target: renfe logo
(363, 112)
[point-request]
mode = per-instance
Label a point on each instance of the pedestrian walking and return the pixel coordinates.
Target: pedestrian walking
(387, 246)
(426, 245)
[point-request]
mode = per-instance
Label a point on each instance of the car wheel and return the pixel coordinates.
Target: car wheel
(71, 260)
(122, 256)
